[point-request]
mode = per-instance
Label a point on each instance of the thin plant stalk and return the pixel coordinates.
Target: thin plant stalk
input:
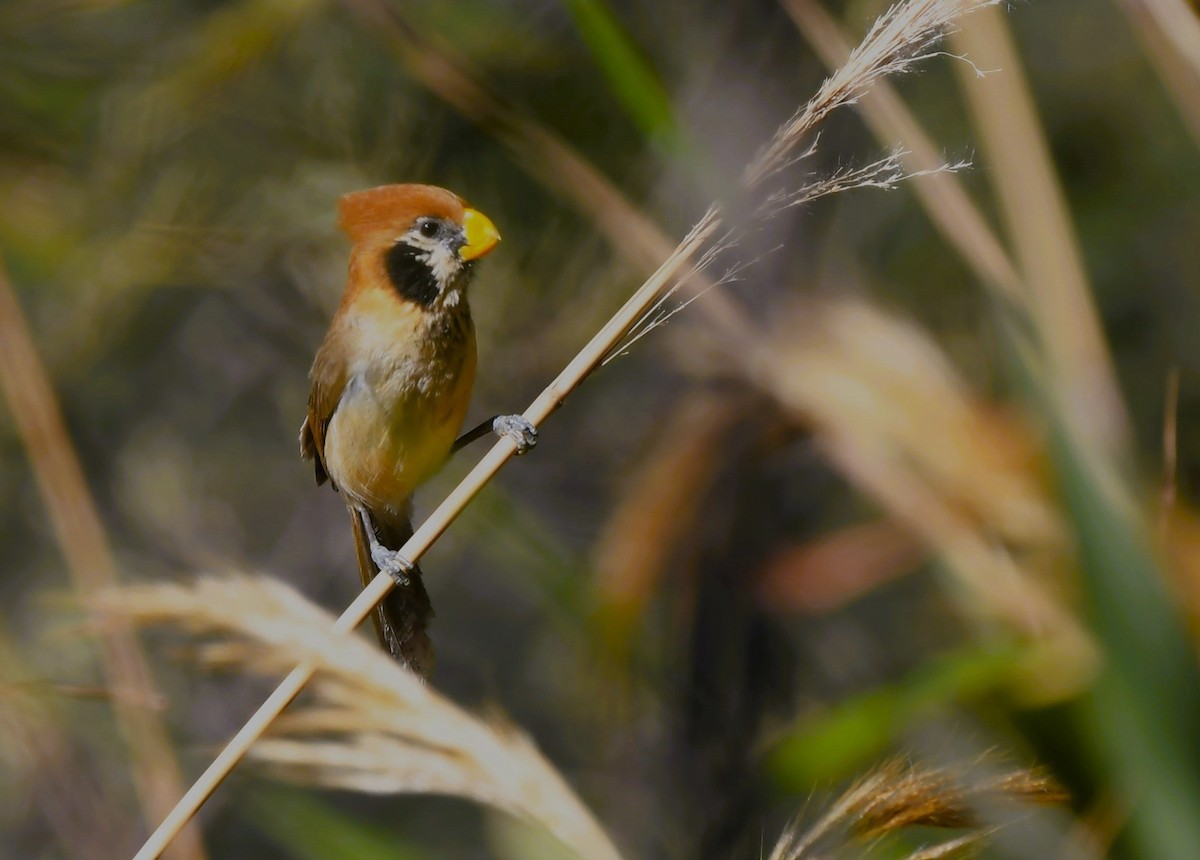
(1170, 35)
(1179, 23)
(82, 539)
(1038, 221)
(1170, 454)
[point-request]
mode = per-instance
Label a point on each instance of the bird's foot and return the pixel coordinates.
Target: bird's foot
(517, 428)
(390, 561)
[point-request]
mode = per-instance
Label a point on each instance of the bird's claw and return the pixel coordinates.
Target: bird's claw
(517, 428)
(392, 563)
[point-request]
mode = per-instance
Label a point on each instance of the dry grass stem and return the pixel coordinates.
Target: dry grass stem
(80, 534)
(1170, 34)
(370, 724)
(1035, 212)
(884, 174)
(429, 531)
(887, 51)
(1178, 22)
(896, 796)
(1170, 452)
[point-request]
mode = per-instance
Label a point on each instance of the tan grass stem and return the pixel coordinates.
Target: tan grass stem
(1170, 35)
(1170, 454)
(82, 539)
(1039, 223)
(1179, 23)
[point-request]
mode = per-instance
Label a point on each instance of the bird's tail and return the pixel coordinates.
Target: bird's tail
(402, 617)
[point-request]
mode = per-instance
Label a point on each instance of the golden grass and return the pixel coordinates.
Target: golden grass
(900, 38)
(369, 724)
(896, 795)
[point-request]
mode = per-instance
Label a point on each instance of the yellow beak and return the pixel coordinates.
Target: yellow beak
(481, 233)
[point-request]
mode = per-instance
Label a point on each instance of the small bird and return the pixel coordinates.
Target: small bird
(392, 380)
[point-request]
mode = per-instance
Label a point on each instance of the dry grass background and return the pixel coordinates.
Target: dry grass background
(876, 498)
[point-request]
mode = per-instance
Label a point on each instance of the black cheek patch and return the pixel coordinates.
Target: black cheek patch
(411, 277)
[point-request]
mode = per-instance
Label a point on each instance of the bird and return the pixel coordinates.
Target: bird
(391, 383)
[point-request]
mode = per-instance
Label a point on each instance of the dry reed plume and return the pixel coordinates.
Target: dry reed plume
(902, 36)
(370, 725)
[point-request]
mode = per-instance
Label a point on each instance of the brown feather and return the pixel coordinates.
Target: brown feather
(391, 209)
(328, 376)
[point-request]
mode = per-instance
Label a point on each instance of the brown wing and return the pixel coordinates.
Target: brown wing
(328, 382)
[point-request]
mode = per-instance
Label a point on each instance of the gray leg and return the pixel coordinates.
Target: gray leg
(388, 561)
(515, 427)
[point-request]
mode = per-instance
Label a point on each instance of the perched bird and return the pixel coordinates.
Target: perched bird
(392, 380)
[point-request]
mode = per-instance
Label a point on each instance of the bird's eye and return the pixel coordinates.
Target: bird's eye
(428, 227)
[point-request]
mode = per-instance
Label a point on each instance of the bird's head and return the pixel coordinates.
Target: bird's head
(423, 239)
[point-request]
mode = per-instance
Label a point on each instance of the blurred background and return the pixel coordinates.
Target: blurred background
(931, 495)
